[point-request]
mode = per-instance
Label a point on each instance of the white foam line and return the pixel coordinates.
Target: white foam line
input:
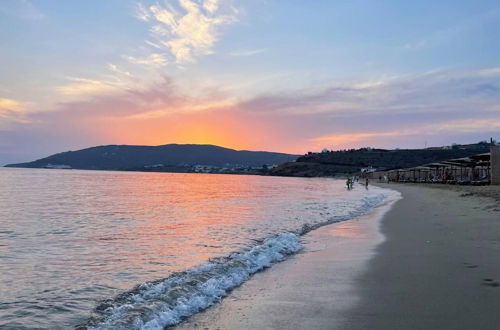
(167, 302)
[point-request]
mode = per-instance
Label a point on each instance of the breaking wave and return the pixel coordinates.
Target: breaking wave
(156, 305)
(166, 302)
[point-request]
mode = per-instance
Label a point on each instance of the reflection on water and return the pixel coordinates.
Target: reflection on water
(71, 238)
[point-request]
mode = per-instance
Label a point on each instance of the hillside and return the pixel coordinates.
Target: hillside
(170, 157)
(351, 161)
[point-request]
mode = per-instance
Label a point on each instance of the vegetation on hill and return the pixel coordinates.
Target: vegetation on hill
(331, 163)
(168, 158)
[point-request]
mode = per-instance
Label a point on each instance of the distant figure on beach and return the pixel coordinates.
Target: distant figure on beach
(349, 183)
(366, 183)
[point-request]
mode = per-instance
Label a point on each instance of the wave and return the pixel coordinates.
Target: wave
(166, 302)
(163, 303)
(367, 204)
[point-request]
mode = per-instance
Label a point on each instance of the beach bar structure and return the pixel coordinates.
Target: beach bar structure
(477, 170)
(495, 165)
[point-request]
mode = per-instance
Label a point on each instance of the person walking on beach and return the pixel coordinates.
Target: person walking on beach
(348, 183)
(366, 183)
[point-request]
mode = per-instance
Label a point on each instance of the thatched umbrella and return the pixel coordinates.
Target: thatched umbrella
(436, 167)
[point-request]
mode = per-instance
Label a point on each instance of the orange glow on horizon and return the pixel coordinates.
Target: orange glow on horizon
(230, 129)
(234, 128)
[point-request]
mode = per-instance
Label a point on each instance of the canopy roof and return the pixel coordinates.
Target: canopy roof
(482, 157)
(436, 165)
(471, 161)
(464, 162)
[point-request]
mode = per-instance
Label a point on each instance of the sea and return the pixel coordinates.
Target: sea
(132, 250)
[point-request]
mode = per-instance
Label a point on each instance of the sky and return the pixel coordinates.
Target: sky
(277, 75)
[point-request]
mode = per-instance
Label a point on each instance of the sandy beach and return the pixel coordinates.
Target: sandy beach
(430, 262)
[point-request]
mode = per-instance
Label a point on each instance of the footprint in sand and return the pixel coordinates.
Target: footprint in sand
(490, 282)
(467, 265)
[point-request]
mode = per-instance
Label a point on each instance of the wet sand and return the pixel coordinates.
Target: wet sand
(438, 268)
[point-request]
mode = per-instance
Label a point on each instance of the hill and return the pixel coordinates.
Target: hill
(170, 157)
(351, 161)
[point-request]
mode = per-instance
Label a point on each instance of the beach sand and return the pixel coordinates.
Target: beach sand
(479, 191)
(437, 268)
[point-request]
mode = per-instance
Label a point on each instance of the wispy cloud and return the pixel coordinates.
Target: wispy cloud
(10, 105)
(142, 13)
(199, 105)
(116, 69)
(437, 91)
(12, 111)
(160, 99)
(189, 29)
(455, 31)
(83, 86)
(114, 80)
(455, 127)
(152, 60)
(434, 106)
(249, 52)
(439, 107)
(22, 9)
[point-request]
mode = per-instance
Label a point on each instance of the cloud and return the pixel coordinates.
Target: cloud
(337, 139)
(439, 107)
(159, 99)
(438, 91)
(487, 125)
(187, 107)
(249, 52)
(211, 6)
(83, 86)
(115, 80)
(408, 110)
(142, 13)
(152, 60)
(444, 35)
(10, 105)
(116, 69)
(158, 114)
(462, 126)
(12, 111)
(188, 30)
(22, 9)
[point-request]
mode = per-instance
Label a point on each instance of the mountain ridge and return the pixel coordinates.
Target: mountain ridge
(137, 157)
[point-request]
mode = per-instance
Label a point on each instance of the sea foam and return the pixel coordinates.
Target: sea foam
(158, 304)
(166, 302)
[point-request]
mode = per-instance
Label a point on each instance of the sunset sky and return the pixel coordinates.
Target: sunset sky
(279, 75)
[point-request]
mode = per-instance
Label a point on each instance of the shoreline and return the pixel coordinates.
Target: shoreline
(437, 269)
(254, 304)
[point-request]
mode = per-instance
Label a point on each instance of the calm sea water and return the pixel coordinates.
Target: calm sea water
(74, 245)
